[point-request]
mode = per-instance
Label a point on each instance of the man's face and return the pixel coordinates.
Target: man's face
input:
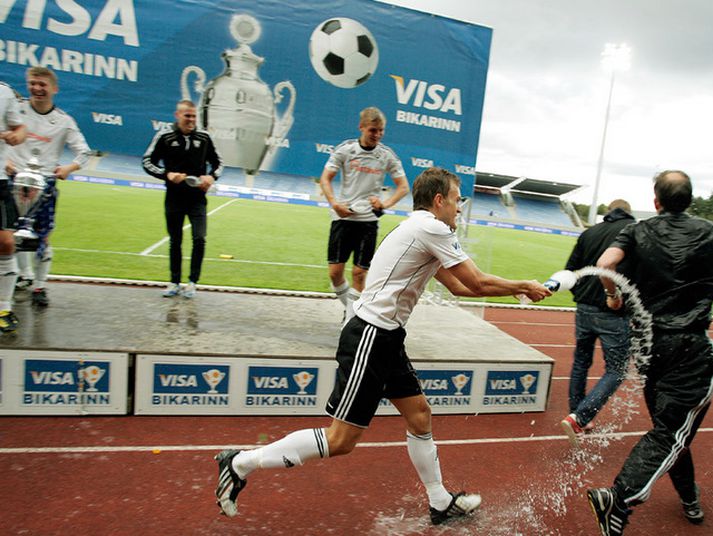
(450, 207)
(41, 89)
(371, 133)
(186, 119)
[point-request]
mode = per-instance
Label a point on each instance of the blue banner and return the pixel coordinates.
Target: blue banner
(277, 85)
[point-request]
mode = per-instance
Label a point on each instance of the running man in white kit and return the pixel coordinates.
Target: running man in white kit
(363, 163)
(49, 129)
(372, 359)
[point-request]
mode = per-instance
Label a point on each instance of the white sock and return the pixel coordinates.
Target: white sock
(352, 295)
(424, 457)
(24, 263)
(341, 292)
(8, 278)
(42, 268)
(293, 449)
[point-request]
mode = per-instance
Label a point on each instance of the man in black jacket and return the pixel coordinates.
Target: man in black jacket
(181, 156)
(672, 267)
(594, 320)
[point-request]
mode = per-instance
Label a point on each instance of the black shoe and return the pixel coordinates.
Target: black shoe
(461, 505)
(39, 297)
(692, 510)
(229, 483)
(612, 515)
(23, 283)
(8, 322)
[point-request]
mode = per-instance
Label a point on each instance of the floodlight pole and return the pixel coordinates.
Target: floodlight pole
(594, 206)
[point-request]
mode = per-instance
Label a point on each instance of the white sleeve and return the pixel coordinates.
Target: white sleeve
(77, 144)
(395, 167)
(12, 110)
(337, 158)
(443, 244)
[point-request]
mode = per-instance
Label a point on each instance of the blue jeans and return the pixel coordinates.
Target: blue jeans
(613, 332)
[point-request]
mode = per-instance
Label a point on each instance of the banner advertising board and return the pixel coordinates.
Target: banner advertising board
(278, 84)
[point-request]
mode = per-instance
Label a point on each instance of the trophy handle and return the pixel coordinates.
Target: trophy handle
(199, 84)
(283, 124)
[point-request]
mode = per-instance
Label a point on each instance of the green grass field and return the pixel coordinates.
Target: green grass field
(103, 230)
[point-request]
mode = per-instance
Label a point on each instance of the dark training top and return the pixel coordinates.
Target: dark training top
(671, 259)
(190, 153)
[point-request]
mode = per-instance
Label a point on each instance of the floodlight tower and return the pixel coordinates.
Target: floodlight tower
(615, 58)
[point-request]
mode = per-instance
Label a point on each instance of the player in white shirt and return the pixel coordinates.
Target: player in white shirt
(12, 132)
(363, 163)
(372, 358)
(49, 129)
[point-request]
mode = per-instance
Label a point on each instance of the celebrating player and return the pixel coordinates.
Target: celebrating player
(371, 355)
(363, 162)
(49, 129)
(12, 132)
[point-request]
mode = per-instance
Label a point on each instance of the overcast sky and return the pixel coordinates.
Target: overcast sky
(547, 92)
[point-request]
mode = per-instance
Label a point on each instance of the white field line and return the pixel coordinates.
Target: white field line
(378, 444)
(142, 254)
(185, 227)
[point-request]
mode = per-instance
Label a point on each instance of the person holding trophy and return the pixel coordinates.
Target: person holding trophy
(12, 132)
(364, 163)
(49, 129)
(181, 156)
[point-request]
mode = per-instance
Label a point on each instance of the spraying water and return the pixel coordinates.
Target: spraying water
(526, 508)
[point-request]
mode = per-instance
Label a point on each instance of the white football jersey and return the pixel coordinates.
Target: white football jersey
(363, 172)
(9, 117)
(406, 260)
(47, 134)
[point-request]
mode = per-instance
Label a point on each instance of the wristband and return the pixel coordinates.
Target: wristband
(613, 295)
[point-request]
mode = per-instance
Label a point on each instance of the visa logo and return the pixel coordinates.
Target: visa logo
(160, 125)
(107, 119)
(421, 94)
(421, 162)
(324, 148)
(178, 380)
(271, 382)
(465, 170)
(503, 384)
(434, 384)
(45, 377)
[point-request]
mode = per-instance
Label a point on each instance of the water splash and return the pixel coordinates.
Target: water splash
(569, 476)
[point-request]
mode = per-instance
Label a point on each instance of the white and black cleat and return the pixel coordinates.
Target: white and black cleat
(229, 483)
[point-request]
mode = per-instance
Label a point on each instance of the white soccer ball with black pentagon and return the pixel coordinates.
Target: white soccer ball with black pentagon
(343, 52)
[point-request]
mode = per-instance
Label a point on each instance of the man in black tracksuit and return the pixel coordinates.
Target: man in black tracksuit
(594, 320)
(181, 153)
(672, 266)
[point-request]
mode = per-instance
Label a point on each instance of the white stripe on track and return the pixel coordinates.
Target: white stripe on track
(185, 227)
(375, 444)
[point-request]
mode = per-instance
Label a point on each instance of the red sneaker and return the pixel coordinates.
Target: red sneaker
(572, 429)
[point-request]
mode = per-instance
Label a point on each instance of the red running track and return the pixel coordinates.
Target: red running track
(102, 476)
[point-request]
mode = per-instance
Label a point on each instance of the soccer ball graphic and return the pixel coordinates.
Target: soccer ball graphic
(343, 52)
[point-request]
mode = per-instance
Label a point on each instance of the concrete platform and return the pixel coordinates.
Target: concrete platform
(126, 349)
(90, 317)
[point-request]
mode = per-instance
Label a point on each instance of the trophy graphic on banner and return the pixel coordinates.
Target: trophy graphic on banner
(91, 374)
(213, 377)
(28, 189)
(460, 381)
(303, 379)
(527, 380)
(237, 108)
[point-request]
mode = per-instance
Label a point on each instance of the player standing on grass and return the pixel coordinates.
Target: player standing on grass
(176, 154)
(12, 132)
(371, 355)
(49, 129)
(364, 163)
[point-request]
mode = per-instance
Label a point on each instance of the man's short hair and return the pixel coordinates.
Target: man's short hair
(673, 190)
(430, 182)
(371, 115)
(620, 203)
(44, 72)
(185, 103)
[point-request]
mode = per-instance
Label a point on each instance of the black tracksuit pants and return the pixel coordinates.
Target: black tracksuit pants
(176, 213)
(679, 383)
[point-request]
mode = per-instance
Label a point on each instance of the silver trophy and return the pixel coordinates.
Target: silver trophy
(28, 191)
(237, 108)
